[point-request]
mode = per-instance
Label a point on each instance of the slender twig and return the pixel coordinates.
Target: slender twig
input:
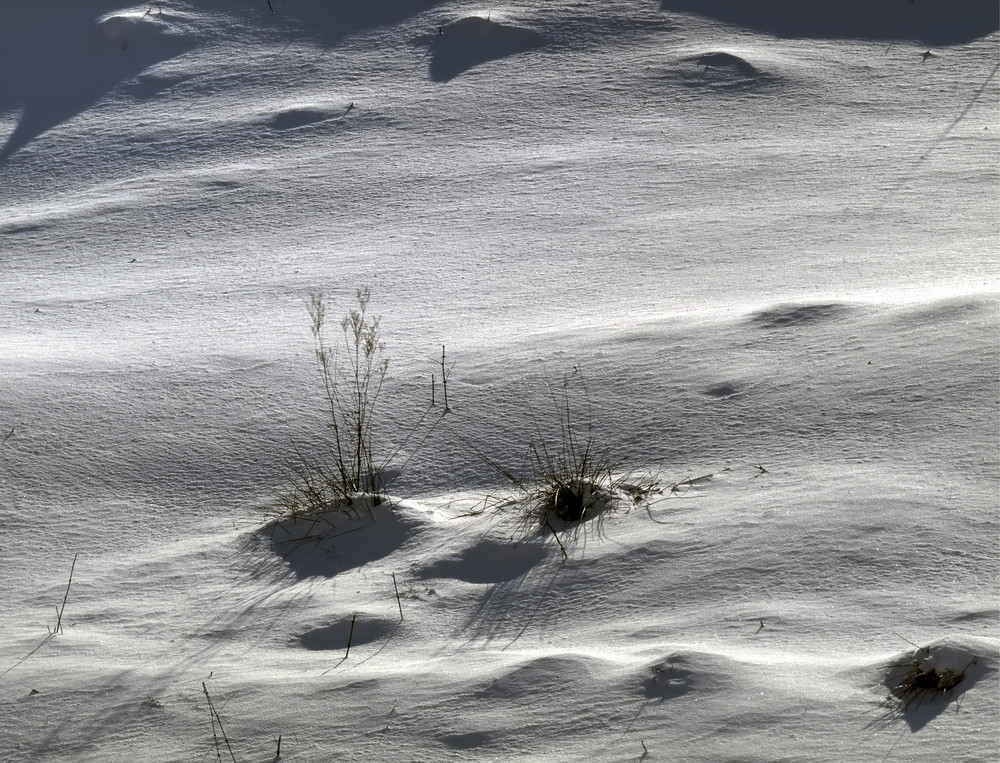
(398, 602)
(556, 536)
(217, 719)
(444, 380)
(915, 646)
(42, 643)
(215, 730)
(350, 636)
(760, 469)
(58, 628)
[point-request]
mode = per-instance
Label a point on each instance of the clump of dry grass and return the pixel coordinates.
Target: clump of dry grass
(349, 476)
(570, 479)
(923, 677)
(353, 369)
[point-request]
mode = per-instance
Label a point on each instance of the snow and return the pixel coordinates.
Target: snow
(760, 239)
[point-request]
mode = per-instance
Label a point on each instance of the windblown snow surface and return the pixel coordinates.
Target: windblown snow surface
(760, 237)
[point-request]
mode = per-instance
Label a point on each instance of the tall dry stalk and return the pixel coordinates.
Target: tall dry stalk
(353, 374)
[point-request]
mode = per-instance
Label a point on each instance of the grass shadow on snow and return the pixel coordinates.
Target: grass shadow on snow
(511, 574)
(353, 631)
(325, 544)
(82, 713)
(925, 21)
(488, 561)
(510, 605)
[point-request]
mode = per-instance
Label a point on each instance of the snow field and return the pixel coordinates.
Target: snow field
(767, 243)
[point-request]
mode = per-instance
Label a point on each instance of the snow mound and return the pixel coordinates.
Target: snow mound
(723, 390)
(718, 70)
(550, 675)
(122, 30)
(469, 740)
(474, 40)
(784, 316)
(669, 680)
(300, 116)
(924, 681)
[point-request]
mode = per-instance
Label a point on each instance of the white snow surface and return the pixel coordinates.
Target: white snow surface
(762, 238)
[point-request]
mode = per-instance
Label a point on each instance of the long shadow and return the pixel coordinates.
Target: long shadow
(929, 22)
(57, 59)
(524, 591)
(331, 21)
(314, 549)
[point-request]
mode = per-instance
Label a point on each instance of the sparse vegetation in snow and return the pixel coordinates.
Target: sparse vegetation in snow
(353, 369)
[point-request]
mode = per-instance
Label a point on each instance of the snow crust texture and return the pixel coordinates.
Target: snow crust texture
(759, 242)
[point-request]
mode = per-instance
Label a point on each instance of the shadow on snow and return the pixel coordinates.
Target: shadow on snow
(930, 22)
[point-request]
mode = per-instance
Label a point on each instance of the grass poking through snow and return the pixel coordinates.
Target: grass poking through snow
(571, 479)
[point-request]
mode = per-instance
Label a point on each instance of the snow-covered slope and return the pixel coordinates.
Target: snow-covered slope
(761, 243)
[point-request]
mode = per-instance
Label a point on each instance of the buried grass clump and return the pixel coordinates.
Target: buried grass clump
(570, 480)
(922, 683)
(926, 675)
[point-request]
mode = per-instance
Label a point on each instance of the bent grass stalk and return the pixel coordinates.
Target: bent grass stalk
(217, 722)
(52, 632)
(58, 628)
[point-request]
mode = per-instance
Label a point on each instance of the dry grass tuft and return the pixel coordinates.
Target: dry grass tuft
(569, 479)
(922, 678)
(350, 476)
